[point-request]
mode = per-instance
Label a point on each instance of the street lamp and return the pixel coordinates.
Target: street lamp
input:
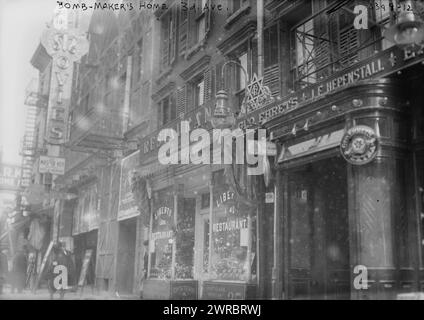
(223, 115)
(408, 28)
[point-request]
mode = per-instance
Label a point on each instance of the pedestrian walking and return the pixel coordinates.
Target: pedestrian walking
(4, 269)
(19, 268)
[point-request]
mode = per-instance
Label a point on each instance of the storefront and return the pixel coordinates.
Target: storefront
(348, 183)
(133, 208)
(85, 229)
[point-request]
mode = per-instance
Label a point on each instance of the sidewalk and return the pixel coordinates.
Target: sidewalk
(43, 294)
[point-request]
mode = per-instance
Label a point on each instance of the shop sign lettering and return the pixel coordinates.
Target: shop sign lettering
(230, 225)
(380, 65)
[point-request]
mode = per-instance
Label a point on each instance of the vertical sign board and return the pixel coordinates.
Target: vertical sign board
(128, 207)
(64, 46)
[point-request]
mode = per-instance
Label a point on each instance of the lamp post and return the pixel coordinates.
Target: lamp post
(223, 115)
(408, 28)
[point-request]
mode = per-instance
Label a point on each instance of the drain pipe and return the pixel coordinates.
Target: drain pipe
(260, 208)
(260, 33)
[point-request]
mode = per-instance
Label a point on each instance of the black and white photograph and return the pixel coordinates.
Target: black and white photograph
(234, 151)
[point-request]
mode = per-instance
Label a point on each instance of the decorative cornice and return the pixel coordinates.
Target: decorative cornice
(239, 35)
(162, 92)
(197, 67)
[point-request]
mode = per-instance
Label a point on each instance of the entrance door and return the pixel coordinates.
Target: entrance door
(318, 234)
(126, 256)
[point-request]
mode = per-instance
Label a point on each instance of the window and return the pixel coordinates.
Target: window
(199, 90)
(383, 12)
(241, 78)
(304, 41)
(237, 4)
(201, 21)
(168, 36)
(167, 110)
(138, 61)
(271, 46)
(200, 29)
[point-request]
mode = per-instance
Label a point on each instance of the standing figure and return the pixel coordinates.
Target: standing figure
(60, 264)
(4, 269)
(145, 266)
(19, 268)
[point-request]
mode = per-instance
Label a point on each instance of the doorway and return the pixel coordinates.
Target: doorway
(318, 231)
(126, 255)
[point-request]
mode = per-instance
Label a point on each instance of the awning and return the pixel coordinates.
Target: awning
(321, 143)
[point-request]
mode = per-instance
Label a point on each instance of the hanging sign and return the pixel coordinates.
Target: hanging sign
(51, 165)
(359, 145)
(128, 207)
(65, 47)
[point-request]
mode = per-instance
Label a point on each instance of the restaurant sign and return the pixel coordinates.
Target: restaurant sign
(380, 65)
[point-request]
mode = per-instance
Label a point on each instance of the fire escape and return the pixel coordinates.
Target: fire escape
(327, 41)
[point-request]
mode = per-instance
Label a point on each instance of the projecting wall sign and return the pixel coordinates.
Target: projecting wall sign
(359, 145)
(64, 46)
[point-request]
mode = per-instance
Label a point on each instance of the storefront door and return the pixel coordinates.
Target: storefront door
(318, 233)
(126, 255)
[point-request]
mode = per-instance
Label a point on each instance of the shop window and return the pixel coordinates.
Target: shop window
(185, 239)
(162, 235)
(230, 235)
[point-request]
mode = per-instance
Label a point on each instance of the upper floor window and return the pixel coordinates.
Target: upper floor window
(168, 38)
(199, 90)
(201, 20)
(237, 4)
(137, 61)
(383, 11)
(304, 39)
(167, 110)
(271, 45)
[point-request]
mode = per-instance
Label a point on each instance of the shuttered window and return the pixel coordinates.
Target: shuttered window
(181, 101)
(200, 89)
(169, 37)
(183, 31)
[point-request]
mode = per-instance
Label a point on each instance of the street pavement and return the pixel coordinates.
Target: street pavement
(43, 294)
